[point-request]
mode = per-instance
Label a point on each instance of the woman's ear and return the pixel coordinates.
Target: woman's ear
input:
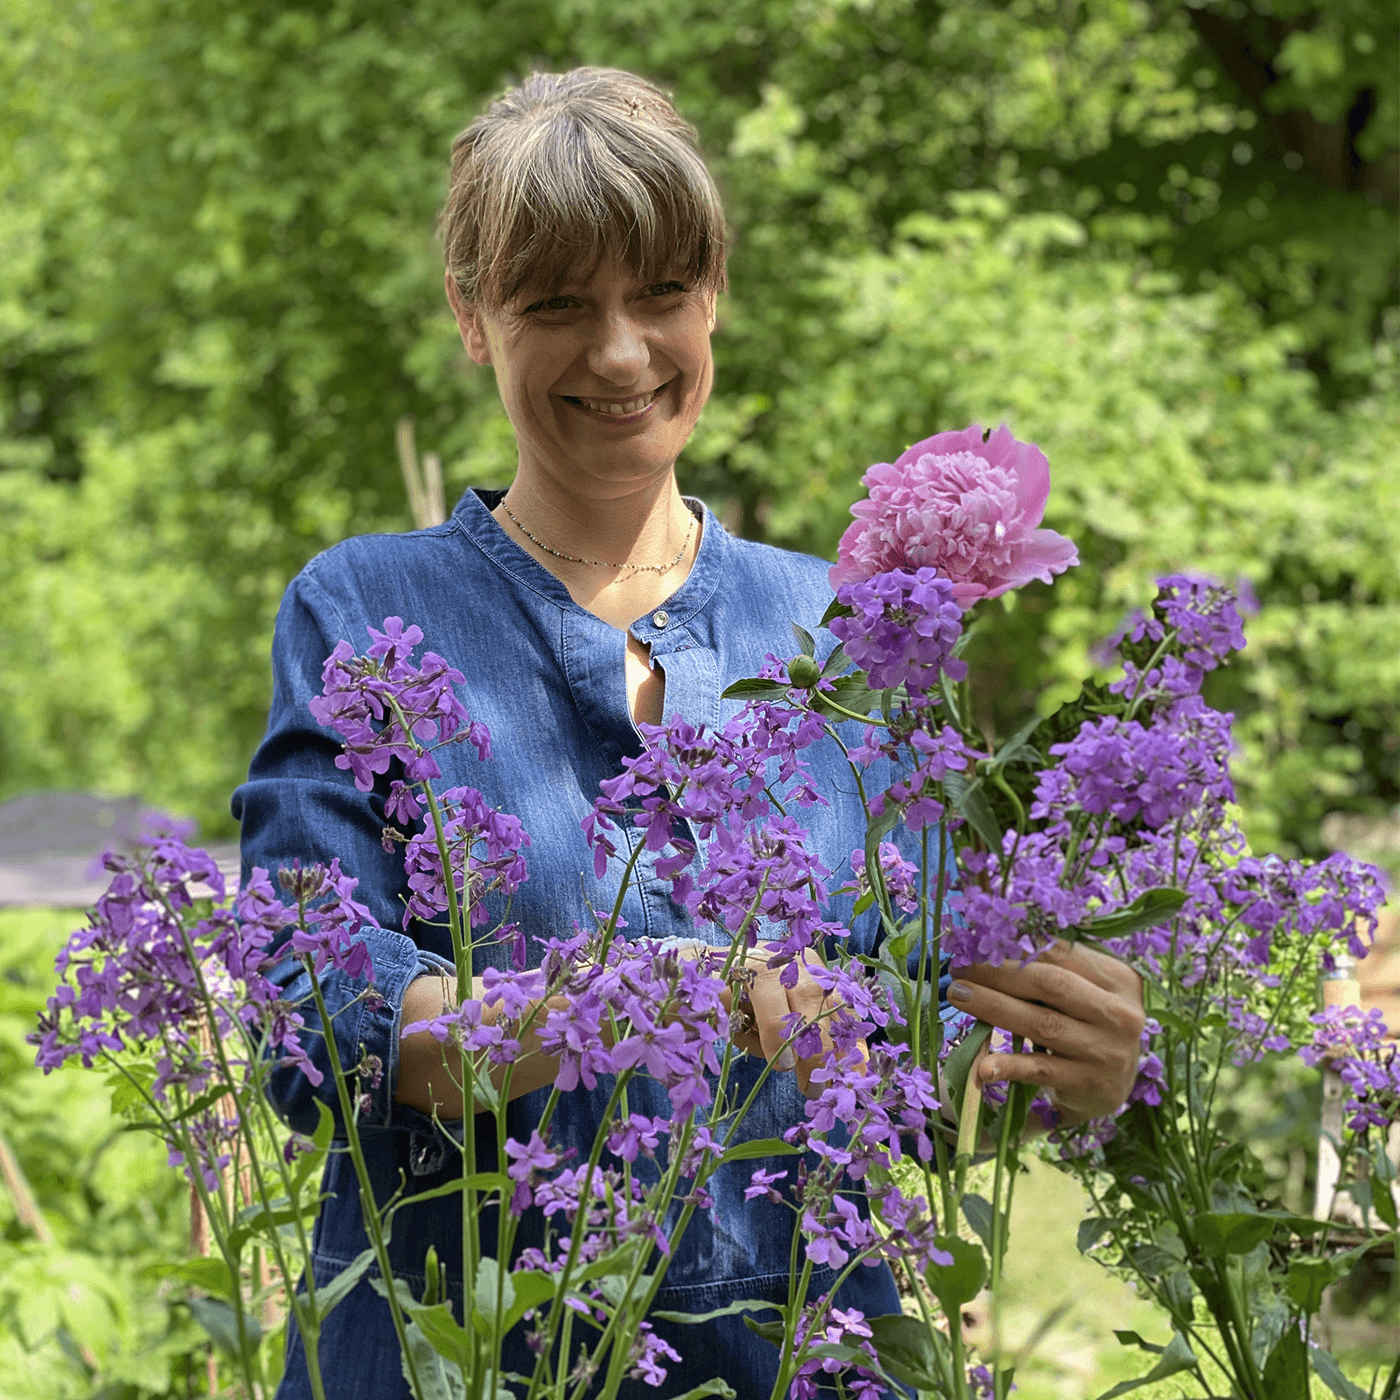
(468, 323)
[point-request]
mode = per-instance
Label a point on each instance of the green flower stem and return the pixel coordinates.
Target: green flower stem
(369, 1208)
(254, 1165)
(174, 1130)
(1007, 1156)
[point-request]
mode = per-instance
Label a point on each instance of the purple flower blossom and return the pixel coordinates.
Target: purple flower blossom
(646, 1353)
(902, 629)
(385, 708)
(1359, 1046)
(485, 851)
(761, 1184)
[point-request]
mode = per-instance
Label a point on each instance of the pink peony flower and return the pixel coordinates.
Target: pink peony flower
(967, 508)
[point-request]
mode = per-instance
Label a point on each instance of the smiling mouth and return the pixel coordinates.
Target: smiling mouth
(619, 410)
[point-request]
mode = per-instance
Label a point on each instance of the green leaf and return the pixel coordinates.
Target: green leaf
(1091, 1231)
(211, 1274)
(958, 1066)
(437, 1378)
(959, 1282)
(489, 1283)
(263, 1220)
(1150, 908)
(483, 1182)
(744, 1305)
(971, 801)
(1382, 1195)
(1220, 1235)
(1131, 1339)
(1176, 1356)
(1016, 746)
(835, 610)
(805, 641)
(836, 660)
(908, 1350)
(1325, 1366)
(309, 1164)
(331, 1293)
(850, 692)
(770, 1331)
(127, 1095)
(759, 1147)
(977, 1211)
(721, 1388)
(443, 1333)
(1286, 1370)
(221, 1322)
(743, 690)
(531, 1289)
(1307, 1282)
(864, 902)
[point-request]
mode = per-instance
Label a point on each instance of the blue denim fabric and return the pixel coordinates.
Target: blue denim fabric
(547, 677)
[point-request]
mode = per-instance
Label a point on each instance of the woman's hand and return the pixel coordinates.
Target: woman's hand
(766, 1002)
(1090, 1017)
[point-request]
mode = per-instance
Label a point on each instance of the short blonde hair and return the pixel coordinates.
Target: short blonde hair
(571, 168)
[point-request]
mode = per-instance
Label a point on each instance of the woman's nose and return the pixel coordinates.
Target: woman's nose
(619, 351)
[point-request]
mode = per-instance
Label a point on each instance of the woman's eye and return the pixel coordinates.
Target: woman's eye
(549, 304)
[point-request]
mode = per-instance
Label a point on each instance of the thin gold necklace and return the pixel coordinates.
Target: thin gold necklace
(603, 563)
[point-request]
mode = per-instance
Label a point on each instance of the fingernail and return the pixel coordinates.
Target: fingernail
(959, 991)
(786, 1059)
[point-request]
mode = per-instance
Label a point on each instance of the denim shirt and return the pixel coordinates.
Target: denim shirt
(547, 677)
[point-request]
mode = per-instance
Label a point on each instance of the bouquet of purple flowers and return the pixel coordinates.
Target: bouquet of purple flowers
(1108, 822)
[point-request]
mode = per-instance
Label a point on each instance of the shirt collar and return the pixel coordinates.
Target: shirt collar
(473, 515)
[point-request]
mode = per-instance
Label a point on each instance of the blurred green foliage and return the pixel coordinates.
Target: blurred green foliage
(85, 1314)
(1159, 239)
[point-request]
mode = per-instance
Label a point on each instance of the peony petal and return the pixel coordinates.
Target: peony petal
(940, 444)
(1028, 465)
(1042, 554)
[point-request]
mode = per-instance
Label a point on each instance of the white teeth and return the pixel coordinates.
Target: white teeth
(631, 406)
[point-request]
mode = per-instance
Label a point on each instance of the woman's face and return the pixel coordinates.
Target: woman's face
(602, 379)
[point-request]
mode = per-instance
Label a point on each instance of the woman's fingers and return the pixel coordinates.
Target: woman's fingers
(1081, 1005)
(768, 1000)
(771, 1004)
(1047, 1026)
(1081, 982)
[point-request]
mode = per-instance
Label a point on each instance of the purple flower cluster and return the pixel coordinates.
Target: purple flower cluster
(902, 629)
(632, 1006)
(901, 877)
(330, 918)
(145, 973)
(386, 708)
(485, 854)
(923, 758)
(1203, 618)
(821, 1330)
(1361, 1048)
(756, 869)
(1150, 775)
(880, 1101)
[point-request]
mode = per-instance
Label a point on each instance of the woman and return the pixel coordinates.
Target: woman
(585, 251)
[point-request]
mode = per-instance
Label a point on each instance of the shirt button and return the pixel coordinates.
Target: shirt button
(660, 619)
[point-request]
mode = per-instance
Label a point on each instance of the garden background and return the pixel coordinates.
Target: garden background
(1158, 239)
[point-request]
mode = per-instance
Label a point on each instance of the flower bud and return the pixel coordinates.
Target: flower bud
(804, 671)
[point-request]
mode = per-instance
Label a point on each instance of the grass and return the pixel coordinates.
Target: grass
(1079, 1357)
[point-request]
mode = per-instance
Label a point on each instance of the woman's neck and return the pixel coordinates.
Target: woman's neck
(651, 533)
